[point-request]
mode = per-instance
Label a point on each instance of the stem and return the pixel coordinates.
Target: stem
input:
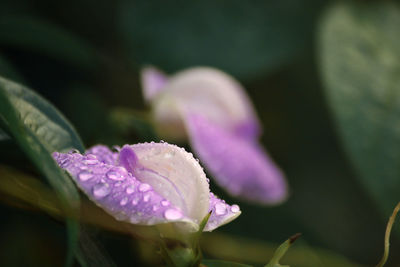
(387, 236)
(281, 250)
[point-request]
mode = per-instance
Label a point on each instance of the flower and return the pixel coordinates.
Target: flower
(212, 111)
(148, 184)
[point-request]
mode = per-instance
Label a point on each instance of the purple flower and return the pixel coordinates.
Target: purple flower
(148, 184)
(212, 111)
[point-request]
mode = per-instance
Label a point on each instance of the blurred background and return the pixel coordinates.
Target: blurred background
(294, 57)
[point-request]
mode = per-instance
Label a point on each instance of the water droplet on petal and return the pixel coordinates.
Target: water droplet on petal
(91, 156)
(155, 208)
(101, 190)
(123, 201)
(169, 155)
(85, 175)
(117, 174)
(144, 187)
(172, 214)
(164, 203)
(130, 189)
(135, 200)
(220, 209)
(146, 197)
(90, 161)
(235, 208)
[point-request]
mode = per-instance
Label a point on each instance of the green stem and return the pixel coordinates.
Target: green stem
(281, 250)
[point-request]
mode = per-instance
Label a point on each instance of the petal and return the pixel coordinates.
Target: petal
(206, 91)
(221, 214)
(176, 175)
(153, 82)
(103, 154)
(239, 166)
(119, 193)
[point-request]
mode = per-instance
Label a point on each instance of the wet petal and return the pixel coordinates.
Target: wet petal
(153, 82)
(103, 154)
(175, 175)
(209, 92)
(119, 193)
(239, 166)
(221, 213)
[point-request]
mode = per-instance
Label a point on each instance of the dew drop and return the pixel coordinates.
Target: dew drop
(90, 161)
(101, 190)
(85, 175)
(164, 203)
(144, 187)
(172, 214)
(169, 155)
(65, 163)
(91, 156)
(155, 208)
(235, 208)
(220, 209)
(130, 189)
(123, 201)
(117, 174)
(135, 200)
(146, 197)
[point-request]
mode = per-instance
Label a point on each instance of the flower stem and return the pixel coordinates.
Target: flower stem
(387, 236)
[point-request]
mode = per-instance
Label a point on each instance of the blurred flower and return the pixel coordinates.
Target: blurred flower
(148, 184)
(211, 109)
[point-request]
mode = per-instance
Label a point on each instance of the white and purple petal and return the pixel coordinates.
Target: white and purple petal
(118, 192)
(103, 154)
(243, 168)
(221, 213)
(148, 184)
(153, 81)
(209, 92)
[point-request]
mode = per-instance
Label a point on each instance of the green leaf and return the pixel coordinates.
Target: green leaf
(218, 263)
(34, 34)
(41, 118)
(360, 61)
(39, 129)
(245, 38)
(127, 121)
(281, 251)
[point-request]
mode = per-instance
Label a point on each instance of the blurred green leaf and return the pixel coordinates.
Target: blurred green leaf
(244, 38)
(281, 251)
(3, 135)
(230, 247)
(40, 36)
(127, 121)
(218, 263)
(360, 61)
(40, 118)
(40, 129)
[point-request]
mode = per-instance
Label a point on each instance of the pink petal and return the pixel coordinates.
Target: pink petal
(118, 192)
(153, 82)
(221, 213)
(240, 166)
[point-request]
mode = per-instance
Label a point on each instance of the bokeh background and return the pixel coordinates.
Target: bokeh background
(323, 77)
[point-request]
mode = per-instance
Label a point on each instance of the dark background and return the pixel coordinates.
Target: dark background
(85, 57)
